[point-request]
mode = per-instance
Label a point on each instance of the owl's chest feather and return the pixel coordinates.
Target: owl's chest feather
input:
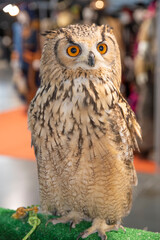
(83, 99)
(78, 115)
(74, 113)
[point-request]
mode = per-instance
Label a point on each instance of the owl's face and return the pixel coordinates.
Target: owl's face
(83, 47)
(86, 52)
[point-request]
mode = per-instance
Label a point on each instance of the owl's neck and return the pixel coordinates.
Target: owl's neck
(91, 91)
(94, 94)
(58, 75)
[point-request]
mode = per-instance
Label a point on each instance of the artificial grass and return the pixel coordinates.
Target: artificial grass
(16, 229)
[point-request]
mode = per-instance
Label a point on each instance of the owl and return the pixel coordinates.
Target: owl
(83, 131)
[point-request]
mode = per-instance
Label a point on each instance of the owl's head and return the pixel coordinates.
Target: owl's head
(85, 47)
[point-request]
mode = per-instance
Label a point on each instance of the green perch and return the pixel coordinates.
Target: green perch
(17, 229)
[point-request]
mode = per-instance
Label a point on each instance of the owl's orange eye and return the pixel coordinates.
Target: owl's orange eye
(102, 48)
(73, 50)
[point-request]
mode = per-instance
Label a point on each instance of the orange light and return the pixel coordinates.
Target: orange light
(99, 4)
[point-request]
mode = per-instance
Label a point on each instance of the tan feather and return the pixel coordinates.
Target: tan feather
(83, 131)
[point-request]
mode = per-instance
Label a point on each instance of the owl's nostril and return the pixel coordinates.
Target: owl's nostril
(91, 59)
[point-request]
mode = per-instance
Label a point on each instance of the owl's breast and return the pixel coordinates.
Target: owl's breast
(79, 111)
(74, 114)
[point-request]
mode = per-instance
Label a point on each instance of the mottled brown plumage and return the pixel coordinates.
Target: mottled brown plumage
(83, 131)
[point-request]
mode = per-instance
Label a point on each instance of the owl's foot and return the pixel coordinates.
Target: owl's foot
(100, 226)
(72, 217)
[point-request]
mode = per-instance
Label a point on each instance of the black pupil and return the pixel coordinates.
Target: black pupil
(73, 50)
(101, 48)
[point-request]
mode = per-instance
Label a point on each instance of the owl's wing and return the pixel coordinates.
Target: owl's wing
(125, 130)
(131, 122)
(35, 115)
(36, 126)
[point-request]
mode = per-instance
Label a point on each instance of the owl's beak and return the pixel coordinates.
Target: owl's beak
(91, 59)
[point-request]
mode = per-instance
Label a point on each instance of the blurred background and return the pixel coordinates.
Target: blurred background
(136, 25)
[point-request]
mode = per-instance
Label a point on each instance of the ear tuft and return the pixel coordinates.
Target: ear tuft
(49, 34)
(109, 29)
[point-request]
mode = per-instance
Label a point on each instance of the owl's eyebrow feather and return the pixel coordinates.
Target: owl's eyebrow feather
(102, 33)
(68, 37)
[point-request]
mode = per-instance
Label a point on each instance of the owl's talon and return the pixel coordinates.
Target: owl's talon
(50, 220)
(80, 235)
(87, 233)
(104, 237)
(124, 230)
(72, 225)
(117, 226)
